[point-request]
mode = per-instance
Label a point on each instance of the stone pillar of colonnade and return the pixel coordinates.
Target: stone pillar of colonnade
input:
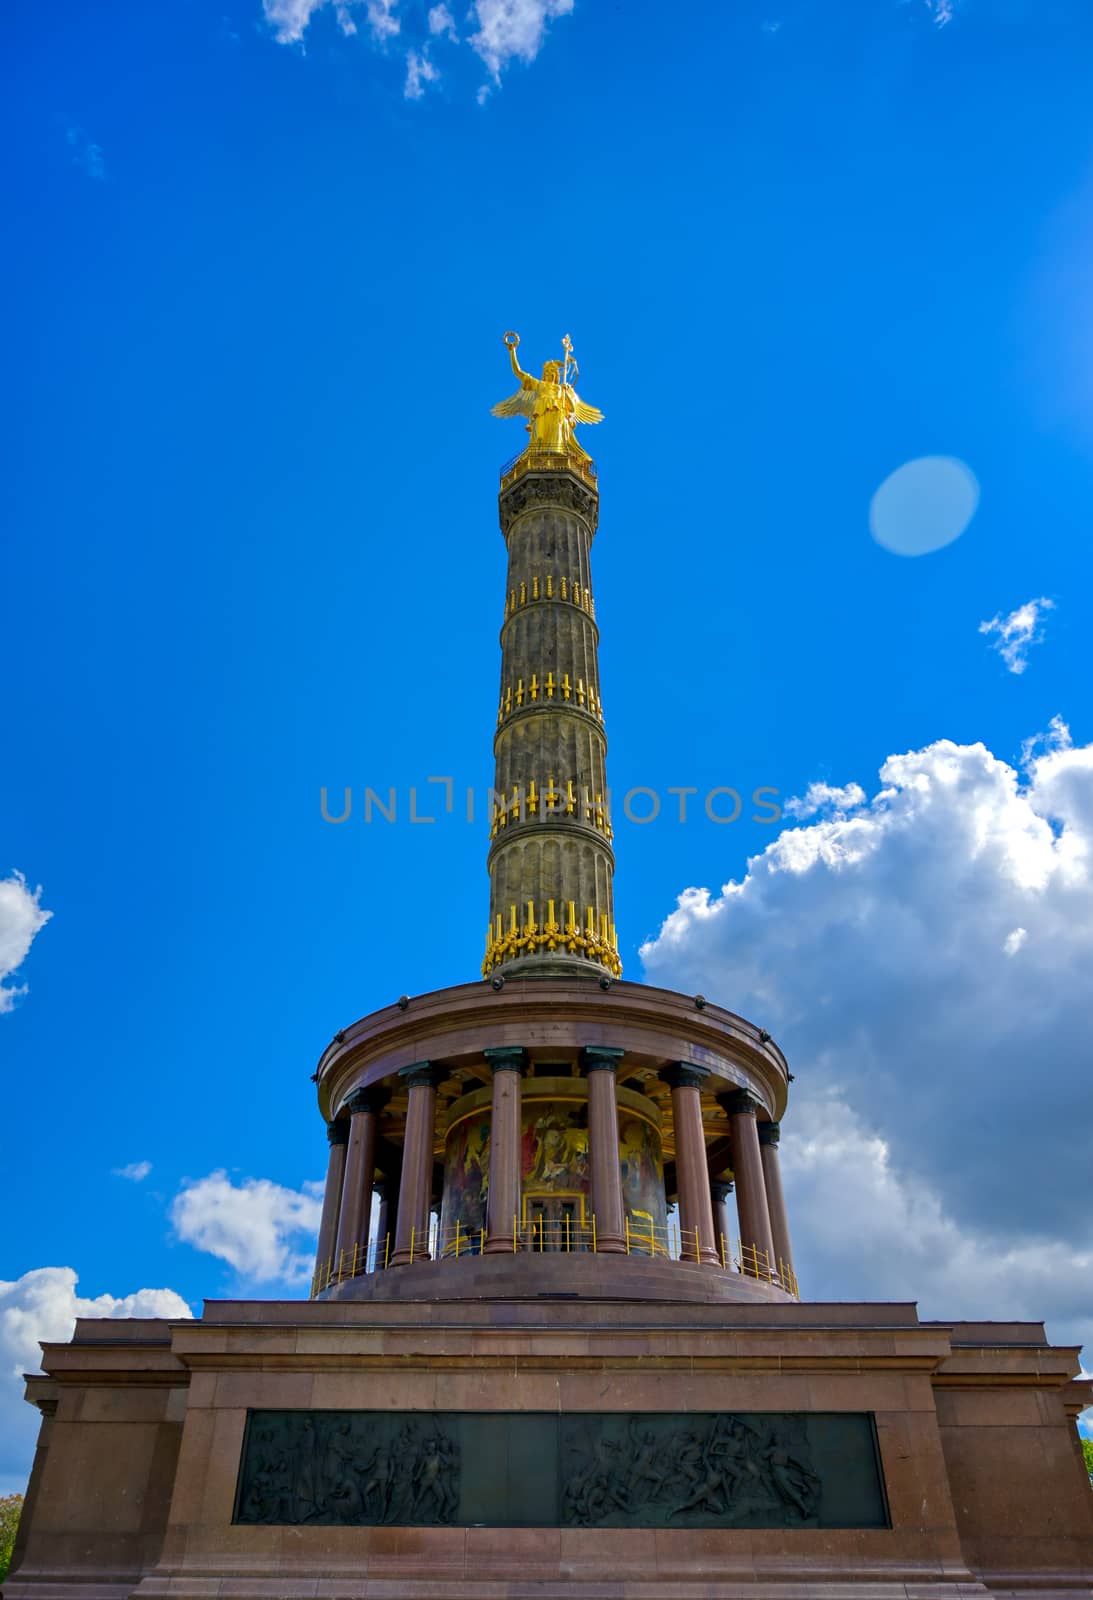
(751, 1191)
(692, 1173)
(600, 1063)
(416, 1185)
(338, 1135)
(720, 1193)
(769, 1135)
(364, 1106)
(508, 1064)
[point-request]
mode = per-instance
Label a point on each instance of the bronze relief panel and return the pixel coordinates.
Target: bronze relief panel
(579, 1470)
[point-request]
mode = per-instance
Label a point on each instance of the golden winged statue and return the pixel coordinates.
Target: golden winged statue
(551, 404)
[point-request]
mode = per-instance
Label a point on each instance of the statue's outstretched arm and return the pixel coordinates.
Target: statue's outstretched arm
(511, 341)
(524, 377)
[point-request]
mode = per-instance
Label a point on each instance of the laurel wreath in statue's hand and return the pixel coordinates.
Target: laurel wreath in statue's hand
(512, 340)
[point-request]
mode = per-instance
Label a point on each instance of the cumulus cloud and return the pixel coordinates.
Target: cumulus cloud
(942, 11)
(824, 797)
(925, 961)
(1017, 633)
(42, 1306)
(1057, 737)
(441, 22)
(513, 30)
(419, 71)
(136, 1171)
(381, 18)
(902, 1244)
(21, 918)
(504, 30)
(257, 1227)
(86, 154)
(289, 19)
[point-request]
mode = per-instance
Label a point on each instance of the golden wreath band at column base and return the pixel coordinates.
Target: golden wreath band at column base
(541, 801)
(595, 941)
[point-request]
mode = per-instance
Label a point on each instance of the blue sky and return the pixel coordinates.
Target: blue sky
(256, 295)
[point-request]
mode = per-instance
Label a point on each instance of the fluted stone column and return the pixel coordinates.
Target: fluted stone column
(719, 1193)
(416, 1186)
(751, 1192)
(692, 1173)
(338, 1135)
(551, 862)
(600, 1062)
(508, 1063)
(364, 1106)
(769, 1135)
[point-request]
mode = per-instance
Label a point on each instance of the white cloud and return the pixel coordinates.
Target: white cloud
(926, 964)
(256, 1226)
(419, 71)
(43, 1305)
(441, 21)
(21, 918)
(1018, 632)
(513, 29)
(86, 154)
(942, 11)
(902, 1244)
(381, 18)
(504, 30)
(136, 1171)
(824, 797)
(289, 19)
(1057, 737)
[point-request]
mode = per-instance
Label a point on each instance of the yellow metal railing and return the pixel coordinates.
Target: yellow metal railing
(548, 461)
(556, 1236)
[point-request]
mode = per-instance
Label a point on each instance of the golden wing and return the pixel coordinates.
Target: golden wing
(520, 404)
(581, 411)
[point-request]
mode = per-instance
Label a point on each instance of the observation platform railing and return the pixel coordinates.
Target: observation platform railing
(546, 1237)
(548, 461)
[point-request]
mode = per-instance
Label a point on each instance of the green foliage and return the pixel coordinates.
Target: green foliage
(1087, 1452)
(10, 1507)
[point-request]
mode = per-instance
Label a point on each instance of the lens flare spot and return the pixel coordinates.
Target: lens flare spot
(924, 505)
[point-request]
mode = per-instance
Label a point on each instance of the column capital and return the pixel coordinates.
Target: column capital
(684, 1075)
(337, 1132)
(601, 1057)
(422, 1075)
(721, 1189)
(360, 1100)
(507, 1058)
(741, 1103)
(770, 1133)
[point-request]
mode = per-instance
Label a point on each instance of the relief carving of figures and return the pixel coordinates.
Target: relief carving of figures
(599, 1469)
(349, 1469)
(722, 1471)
